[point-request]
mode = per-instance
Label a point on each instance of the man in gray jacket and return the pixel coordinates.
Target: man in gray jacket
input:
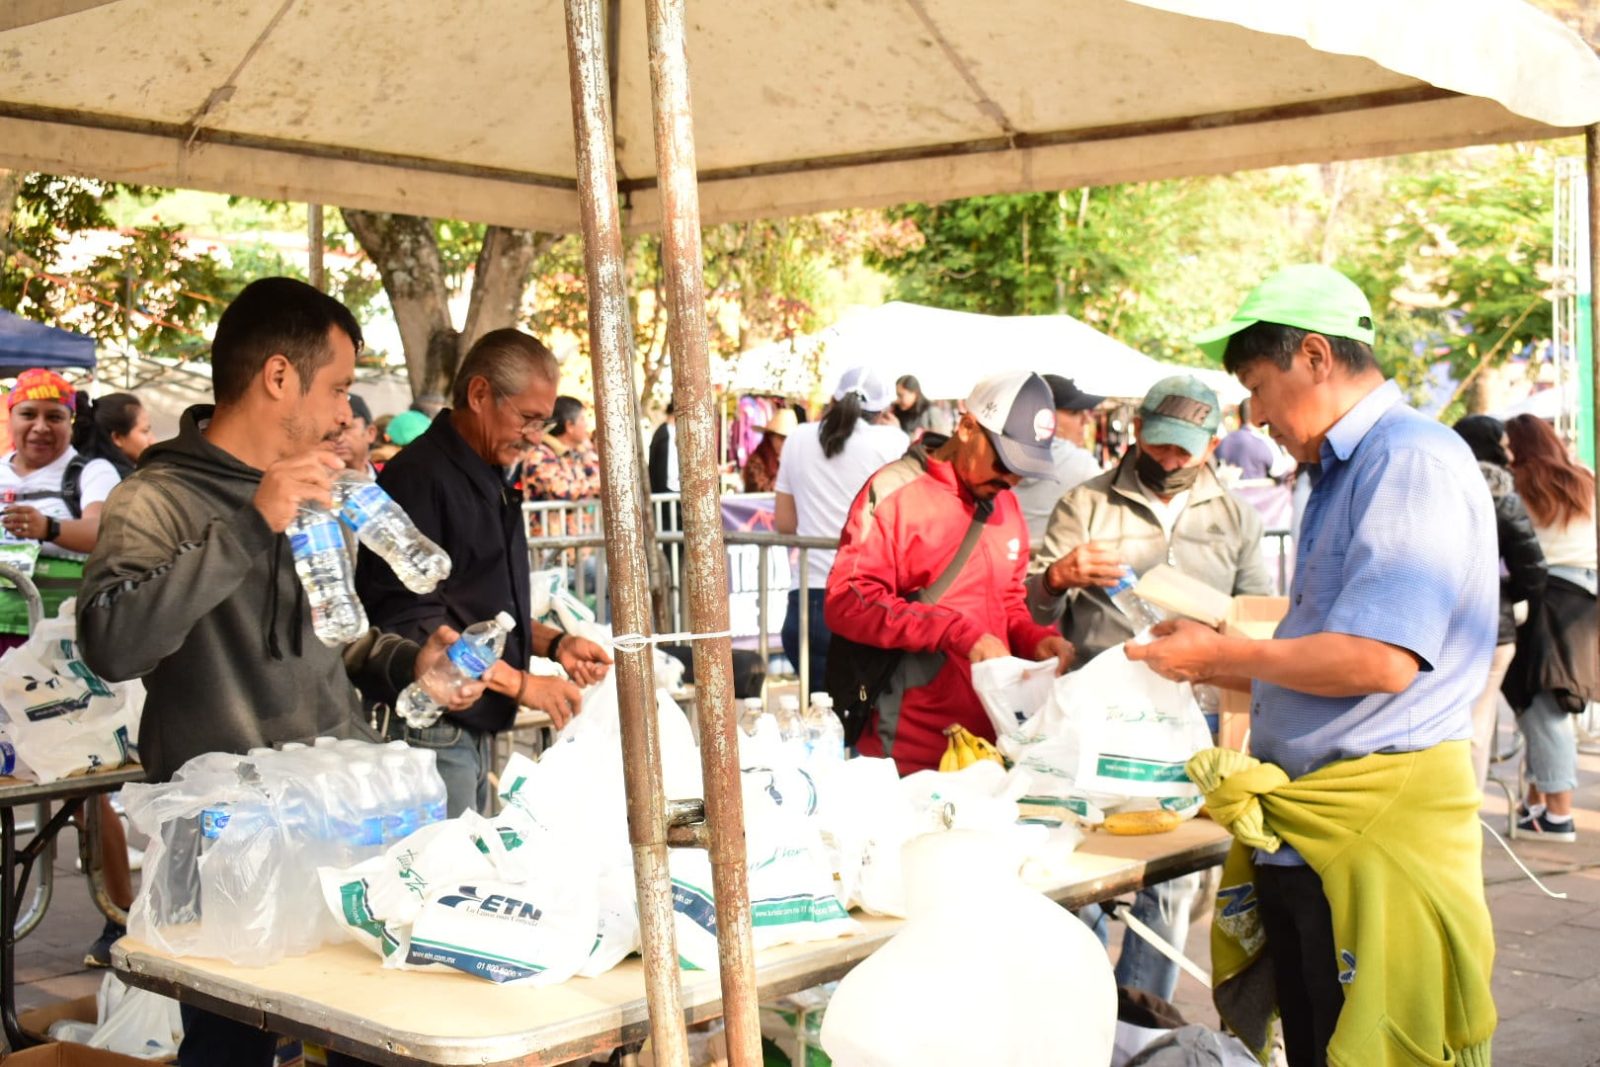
(192, 587)
(1161, 504)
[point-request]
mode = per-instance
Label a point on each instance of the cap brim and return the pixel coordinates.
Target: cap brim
(1160, 430)
(1028, 461)
(1082, 402)
(1214, 342)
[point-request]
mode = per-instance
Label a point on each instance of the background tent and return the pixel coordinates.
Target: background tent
(949, 351)
(25, 343)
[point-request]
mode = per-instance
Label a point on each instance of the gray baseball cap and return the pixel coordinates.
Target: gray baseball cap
(1018, 413)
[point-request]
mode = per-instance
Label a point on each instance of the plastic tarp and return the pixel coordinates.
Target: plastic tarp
(25, 343)
(950, 351)
(463, 110)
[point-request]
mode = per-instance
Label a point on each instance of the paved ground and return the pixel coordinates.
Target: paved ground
(1547, 971)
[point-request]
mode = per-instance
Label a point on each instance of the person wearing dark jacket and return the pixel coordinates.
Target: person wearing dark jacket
(451, 481)
(192, 588)
(1523, 573)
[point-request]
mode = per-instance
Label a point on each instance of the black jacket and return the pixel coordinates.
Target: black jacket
(463, 503)
(190, 590)
(1557, 650)
(1519, 549)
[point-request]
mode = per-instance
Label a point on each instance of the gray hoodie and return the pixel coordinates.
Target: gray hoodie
(190, 590)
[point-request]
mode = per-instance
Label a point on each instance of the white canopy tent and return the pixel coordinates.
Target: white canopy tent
(461, 110)
(949, 351)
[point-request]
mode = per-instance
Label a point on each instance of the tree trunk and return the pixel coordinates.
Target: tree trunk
(405, 249)
(406, 253)
(10, 187)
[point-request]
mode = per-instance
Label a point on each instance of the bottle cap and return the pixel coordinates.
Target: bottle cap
(506, 621)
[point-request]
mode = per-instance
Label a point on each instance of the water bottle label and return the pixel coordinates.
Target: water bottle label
(8, 757)
(321, 536)
(469, 660)
(437, 812)
(212, 821)
(362, 504)
(371, 831)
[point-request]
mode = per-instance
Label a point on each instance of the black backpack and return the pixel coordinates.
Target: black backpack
(70, 491)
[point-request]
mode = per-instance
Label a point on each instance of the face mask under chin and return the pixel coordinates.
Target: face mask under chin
(1161, 481)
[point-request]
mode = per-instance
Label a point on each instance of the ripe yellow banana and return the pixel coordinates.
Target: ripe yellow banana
(1131, 823)
(963, 748)
(950, 761)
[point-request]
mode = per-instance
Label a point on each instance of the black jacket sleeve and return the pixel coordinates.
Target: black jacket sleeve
(1519, 548)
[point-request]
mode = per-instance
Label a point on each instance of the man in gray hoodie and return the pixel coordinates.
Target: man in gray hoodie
(192, 586)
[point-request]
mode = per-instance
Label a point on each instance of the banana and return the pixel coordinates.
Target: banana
(984, 749)
(1130, 823)
(950, 761)
(968, 748)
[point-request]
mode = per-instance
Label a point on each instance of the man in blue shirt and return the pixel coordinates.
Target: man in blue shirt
(1392, 611)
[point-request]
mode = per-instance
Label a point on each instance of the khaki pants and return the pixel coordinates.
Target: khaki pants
(1486, 712)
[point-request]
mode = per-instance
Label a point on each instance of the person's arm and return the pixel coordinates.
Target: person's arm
(584, 660)
(1526, 570)
(1067, 559)
(864, 600)
(1027, 638)
(151, 578)
(784, 517)
(1324, 664)
(1250, 575)
(77, 535)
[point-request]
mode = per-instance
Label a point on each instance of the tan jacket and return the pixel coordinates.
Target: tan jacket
(1216, 539)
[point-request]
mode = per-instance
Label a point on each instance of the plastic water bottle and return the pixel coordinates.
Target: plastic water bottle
(751, 715)
(385, 529)
(1139, 612)
(369, 805)
(401, 816)
(213, 820)
(824, 731)
(475, 651)
(791, 728)
(323, 565)
(432, 798)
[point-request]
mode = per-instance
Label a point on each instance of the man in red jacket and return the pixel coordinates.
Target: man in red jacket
(904, 530)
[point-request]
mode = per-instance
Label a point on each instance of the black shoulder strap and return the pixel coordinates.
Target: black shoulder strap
(942, 584)
(70, 483)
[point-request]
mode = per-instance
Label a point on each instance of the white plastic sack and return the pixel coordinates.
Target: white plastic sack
(136, 1022)
(60, 716)
(538, 932)
(1012, 690)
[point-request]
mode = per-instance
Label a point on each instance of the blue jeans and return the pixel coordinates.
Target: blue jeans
(1552, 745)
(462, 756)
(820, 635)
(1165, 908)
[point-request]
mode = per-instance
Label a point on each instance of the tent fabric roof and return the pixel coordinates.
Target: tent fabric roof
(463, 110)
(25, 343)
(950, 351)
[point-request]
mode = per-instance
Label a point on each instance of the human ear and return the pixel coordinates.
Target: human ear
(1319, 356)
(276, 373)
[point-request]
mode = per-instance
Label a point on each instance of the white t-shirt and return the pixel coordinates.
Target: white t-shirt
(1167, 511)
(823, 487)
(94, 485)
(1572, 545)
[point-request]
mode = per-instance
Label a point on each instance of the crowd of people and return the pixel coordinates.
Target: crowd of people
(989, 534)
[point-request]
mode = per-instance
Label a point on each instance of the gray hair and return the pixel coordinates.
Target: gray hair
(507, 359)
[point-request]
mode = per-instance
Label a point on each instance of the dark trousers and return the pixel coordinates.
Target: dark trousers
(211, 1040)
(820, 635)
(1299, 929)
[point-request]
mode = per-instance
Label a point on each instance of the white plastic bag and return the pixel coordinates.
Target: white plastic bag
(538, 932)
(136, 1022)
(59, 715)
(1012, 690)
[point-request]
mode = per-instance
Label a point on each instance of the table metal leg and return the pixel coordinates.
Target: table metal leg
(33, 912)
(18, 864)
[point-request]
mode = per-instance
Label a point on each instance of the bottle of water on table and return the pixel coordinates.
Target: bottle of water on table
(469, 659)
(824, 731)
(1141, 614)
(323, 565)
(385, 529)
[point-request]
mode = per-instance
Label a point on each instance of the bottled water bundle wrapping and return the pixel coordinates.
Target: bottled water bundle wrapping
(236, 841)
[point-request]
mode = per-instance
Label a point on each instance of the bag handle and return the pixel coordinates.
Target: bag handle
(947, 578)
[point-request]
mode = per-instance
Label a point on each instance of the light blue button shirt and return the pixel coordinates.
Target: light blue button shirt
(1398, 544)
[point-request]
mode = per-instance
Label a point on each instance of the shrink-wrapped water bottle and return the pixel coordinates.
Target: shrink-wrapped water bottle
(323, 564)
(385, 529)
(469, 659)
(824, 731)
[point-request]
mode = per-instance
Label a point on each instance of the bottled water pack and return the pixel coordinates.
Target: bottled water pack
(469, 659)
(231, 871)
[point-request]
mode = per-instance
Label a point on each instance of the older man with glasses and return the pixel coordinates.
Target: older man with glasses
(451, 481)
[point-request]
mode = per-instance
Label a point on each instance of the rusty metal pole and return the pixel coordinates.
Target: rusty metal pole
(705, 555)
(315, 246)
(611, 350)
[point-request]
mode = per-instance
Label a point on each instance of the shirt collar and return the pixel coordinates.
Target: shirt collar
(1347, 433)
(484, 475)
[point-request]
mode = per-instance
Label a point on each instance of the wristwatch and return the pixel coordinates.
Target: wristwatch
(52, 528)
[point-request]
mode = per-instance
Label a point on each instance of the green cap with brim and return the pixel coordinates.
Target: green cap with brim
(1308, 297)
(1180, 410)
(407, 427)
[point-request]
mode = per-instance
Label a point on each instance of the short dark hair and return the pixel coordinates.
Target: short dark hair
(566, 411)
(117, 413)
(506, 359)
(1279, 343)
(360, 410)
(275, 316)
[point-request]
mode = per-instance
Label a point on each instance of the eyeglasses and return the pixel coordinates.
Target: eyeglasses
(535, 424)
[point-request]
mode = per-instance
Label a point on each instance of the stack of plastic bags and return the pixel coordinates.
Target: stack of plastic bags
(57, 716)
(1113, 736)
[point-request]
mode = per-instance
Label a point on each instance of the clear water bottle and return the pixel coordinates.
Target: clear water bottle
(368, 802)
(824, 731)
(323, 565)
(791, 727)
(751, 715)
(475, 651)
(213, 820)
(1141, 614)
(385, 529)
(401, 816)
(432, 798)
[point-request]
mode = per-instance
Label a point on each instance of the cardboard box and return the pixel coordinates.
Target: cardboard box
(39, 1020)
(69, 1056)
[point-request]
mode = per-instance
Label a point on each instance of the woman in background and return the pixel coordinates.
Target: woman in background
(115, 428)
(1556, 671)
